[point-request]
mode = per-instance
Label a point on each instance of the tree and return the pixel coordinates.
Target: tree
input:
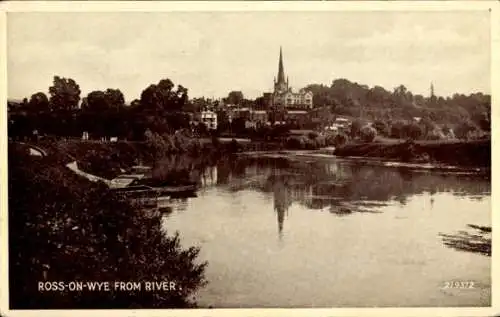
(114, 98)
(102, 113)
(158, 99)
(95, 102)
(64, 94)
(235, 97)
(260, 103)
(39, 103)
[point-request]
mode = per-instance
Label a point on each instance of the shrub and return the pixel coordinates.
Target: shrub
(435, 135)
(427, 126)
(368, 134)
(234, 146)
(397, 130)
(67, 229)
(356, 128)
(330, 139)
(464, 129)
(310, 144)
(412, 131)
(381, 127)
(320, 141)
(312, 135)
(295, 143)
(340, 140)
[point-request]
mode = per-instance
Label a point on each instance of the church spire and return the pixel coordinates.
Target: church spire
(281, 72)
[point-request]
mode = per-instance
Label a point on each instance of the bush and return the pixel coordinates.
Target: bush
(427, 126)
(435, 135)
(397, 130)
(412, 131)
(368, 134)
(464, 129)
(381, 127)
(330, 139)
(64, 228)
(340, 140)
(234, 146)
(310, 144)
(356, 128)
(320, 141)
(312, 135)
(295, 143)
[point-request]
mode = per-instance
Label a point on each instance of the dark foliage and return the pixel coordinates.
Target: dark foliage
(377, 103)
(63, 228)
(460, 153)
(368, 134)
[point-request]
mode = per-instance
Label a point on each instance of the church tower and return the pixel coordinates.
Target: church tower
(281, 85)
(432, 97)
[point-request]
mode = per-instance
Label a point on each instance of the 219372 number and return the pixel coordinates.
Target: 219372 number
(459, 284)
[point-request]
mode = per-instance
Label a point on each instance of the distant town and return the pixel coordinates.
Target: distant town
(345, 108)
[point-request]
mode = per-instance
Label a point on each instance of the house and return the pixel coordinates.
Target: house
(249, 124)
(209, 118)
(260, 117)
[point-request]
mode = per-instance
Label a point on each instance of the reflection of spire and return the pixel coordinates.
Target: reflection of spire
(281, 203)
(281, 220)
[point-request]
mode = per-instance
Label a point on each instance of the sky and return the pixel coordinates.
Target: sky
(212, 53)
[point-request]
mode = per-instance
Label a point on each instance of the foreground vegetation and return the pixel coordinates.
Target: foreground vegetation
(64, 228)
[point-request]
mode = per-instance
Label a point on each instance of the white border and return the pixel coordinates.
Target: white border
(141, 6)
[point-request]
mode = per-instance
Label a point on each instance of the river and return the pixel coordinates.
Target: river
(280, 232)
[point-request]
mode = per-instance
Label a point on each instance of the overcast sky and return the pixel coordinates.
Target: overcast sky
(213, 53)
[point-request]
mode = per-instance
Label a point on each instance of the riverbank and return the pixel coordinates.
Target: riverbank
(455, 153)
(109, 159)
(67, 228)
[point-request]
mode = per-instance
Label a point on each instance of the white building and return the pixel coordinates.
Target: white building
(209, 118)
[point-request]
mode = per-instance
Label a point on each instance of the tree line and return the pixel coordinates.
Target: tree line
(164, 108)
(101, 113)
(344, 97)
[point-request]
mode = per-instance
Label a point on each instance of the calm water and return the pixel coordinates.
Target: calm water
(329, 233)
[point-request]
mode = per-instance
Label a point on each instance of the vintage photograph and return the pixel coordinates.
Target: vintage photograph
(249, 159)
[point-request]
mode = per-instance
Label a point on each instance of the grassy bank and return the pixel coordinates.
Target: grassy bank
(65, 228)
(109, 159)
(459, 153)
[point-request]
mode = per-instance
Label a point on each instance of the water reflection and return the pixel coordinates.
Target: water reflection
(259, 221)
(340, 188)
(282, 202)
(478, 241)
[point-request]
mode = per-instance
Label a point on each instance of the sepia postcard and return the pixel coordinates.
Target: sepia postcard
(249, 158)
